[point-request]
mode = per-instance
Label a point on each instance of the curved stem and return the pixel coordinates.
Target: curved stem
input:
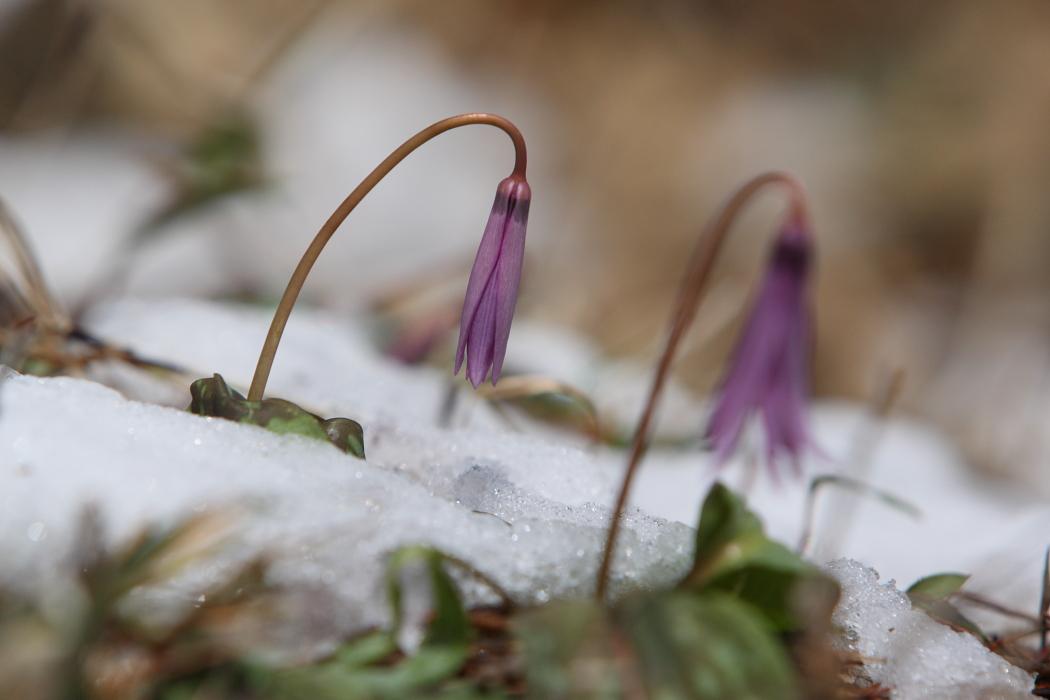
(690, 292)
(295, 284)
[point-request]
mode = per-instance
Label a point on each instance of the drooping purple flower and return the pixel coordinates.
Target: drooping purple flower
(492, 290)
(768, 372)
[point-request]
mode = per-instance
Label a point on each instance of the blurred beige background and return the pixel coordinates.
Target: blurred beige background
(919, 129)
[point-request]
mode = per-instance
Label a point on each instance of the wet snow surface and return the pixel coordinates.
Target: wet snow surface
(909, 652)
(527, 507)
(328, 518)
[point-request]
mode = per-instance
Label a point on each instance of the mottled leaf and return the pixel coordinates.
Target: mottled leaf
(213, 397)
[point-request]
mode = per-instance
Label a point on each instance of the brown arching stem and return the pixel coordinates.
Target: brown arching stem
(295, 284)
(689, 295)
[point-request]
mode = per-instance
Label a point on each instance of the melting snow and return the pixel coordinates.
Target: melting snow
(327, 518)
(529, 509)
(907, 651)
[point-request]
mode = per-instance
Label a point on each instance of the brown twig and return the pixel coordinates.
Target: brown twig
(996, 607)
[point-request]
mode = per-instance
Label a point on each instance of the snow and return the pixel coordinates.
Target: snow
(328, 363)
(907, 651)
(519, 509)
(527, 508)
(323, 363)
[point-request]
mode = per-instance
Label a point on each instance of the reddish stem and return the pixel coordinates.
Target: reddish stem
(689, 295)
(295, 284)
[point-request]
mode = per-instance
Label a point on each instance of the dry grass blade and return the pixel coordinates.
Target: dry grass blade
(995, 607)
(520, 389)
(851, 484)
(193, 539)
(34, 327)
(36, 294)
(842, 511)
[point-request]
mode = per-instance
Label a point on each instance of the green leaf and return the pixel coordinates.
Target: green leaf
(449, 625)
(707, 646)
(569, 649)
(769, 590)
(362, 669)
(938, 585)
(733, 554)
(931, 594)
(366, 649)
(213, 397)
(723, 517)
(660, 645)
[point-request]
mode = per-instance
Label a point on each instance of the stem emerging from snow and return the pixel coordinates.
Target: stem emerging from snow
(689, 296)
(295, 284)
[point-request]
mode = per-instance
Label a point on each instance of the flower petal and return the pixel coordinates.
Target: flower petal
(484, 264)
(508, 277)
(768, 367)
(479, 343)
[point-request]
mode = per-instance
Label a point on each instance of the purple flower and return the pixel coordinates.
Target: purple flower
(768, 371)
(492, 290)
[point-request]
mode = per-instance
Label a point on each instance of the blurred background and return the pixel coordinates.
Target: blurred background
(193, 148)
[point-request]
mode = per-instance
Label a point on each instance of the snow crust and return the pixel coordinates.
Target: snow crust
(907, 651)
(519, 509)
(328, 363)
(527, 508)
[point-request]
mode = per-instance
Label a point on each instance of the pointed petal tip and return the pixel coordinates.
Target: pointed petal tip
(458, 363)
(476, 376)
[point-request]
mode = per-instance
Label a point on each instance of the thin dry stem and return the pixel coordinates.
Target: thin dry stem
(689, 296)
(994, 606)
(1044, 601)
(295, 284)
(44, 307)
(842, 512)
(857, 486)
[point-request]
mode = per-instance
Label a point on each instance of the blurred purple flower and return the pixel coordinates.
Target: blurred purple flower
(492, 290)
(768, 371)
(414, 342)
